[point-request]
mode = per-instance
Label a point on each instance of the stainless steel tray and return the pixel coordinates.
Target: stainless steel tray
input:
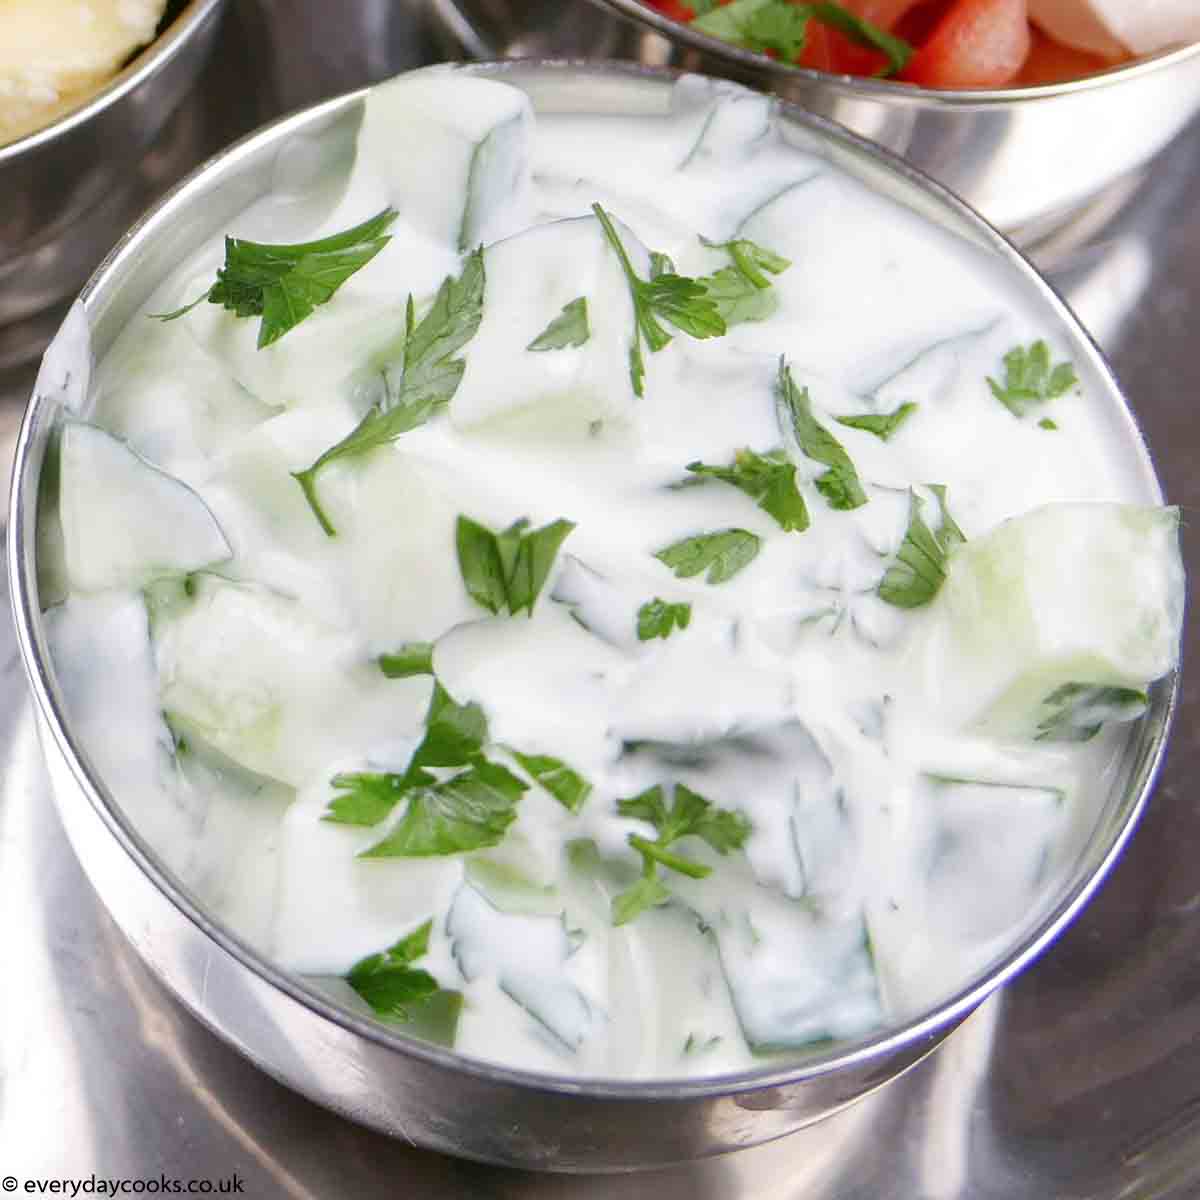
(1081, 1080)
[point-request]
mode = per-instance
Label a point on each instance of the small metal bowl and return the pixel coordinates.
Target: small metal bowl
(62, 181)
(371, 1072)
(1027, 158)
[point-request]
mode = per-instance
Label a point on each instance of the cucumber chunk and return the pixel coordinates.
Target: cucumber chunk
(271, 687)
(530, 278)
(1077, 596)
(453, 153)
(527, 956)
(125, 522)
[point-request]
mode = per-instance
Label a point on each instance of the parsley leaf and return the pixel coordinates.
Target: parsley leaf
(840, 484)
(743, 292)
(569, 328)
(782, 27)
(722, 554)
(284, 283)
(1029, 378)
(677, 299)
(431, 375)
(365, 799)
(389, 982)
(768, 479)
(1075, 712)
(658, 619)
(413, 658)
(882, 425)
(469, 811)
(567, 786)
(690, 815)
(920, 567)
(507, 569)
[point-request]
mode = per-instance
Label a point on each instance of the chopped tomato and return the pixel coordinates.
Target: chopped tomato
(675, 10)
(818, 53)
(1051, 62)
(978, 43)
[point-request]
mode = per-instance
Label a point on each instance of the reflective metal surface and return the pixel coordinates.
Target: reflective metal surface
(87, 175)
(1025, 158)
(1081, 1082)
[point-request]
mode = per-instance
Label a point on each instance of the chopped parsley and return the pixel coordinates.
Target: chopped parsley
(690, 815)
(1075, 712)
(566, 785)
(569, 328)
(445, 813)
(283, 284)
(768, 479)
(413, 658)
(781, 27)
(742, 292)
(1030, 379)
(882, 425)
(397, 991)
(431, 375)
(722, 554)
(840, 484)
(677, 299)
(506, 570)
(658, 619)
(920, 567)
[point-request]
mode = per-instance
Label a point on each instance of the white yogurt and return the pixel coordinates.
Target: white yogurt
(903, 817)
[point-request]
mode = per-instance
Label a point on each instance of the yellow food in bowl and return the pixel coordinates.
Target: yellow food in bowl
(54, 53)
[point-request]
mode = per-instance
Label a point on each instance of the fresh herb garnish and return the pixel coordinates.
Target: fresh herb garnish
(882, 425)
(431, 375)
(782, 28)
(469, 811)
(1047, 423)
(691, 815)
(920, 567)
(768, 479)
(413, 658)
(569, 328)
(840, 484)
(506, 570)
(444, 814)
(1029, 378)
(658, 619)
(1075, 712)
(722, 554)
(567, 786)
(742, 292)
(681, 301)
(389, 982)
(284, 283)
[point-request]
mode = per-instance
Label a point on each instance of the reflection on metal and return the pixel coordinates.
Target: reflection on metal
(1085, 1086)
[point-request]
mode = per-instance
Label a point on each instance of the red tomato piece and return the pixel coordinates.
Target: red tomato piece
(1052, 62)
(978, 43)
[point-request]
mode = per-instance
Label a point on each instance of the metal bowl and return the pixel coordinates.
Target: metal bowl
(60, 181)
(368, 1071)
(1027, 158)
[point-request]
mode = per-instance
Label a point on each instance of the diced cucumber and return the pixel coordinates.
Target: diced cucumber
(1068, 594)
(453, 152)
(530, 278)
(273, 688)
(527, 956)
(797, 976)
(124, 521)
(990, 849)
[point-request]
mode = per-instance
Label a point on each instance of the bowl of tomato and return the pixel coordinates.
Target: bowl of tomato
(1028, 120)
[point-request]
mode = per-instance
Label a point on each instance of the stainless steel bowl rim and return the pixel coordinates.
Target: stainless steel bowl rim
(38, 665)
(882, 89)
(152, 60)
